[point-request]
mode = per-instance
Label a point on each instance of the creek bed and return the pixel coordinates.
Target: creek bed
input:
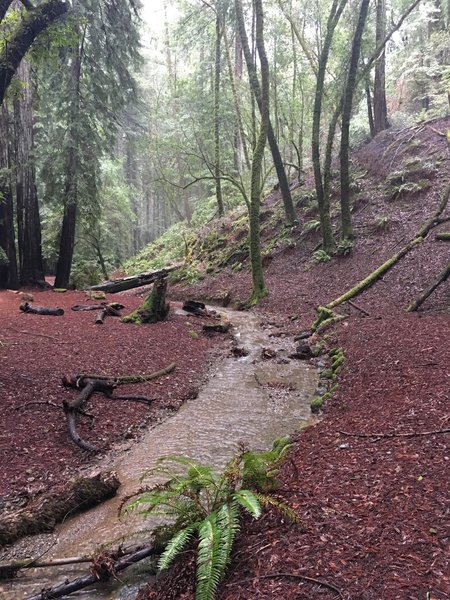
(248, 399)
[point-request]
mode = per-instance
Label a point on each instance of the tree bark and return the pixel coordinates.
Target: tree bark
(67, 240)
(346, 218)
(34, 22)
(380, 120)
(8, 260)
(217, 75)
(154, 308)
(27, 207)
(256, 89)
(258, 288)
(322, 199)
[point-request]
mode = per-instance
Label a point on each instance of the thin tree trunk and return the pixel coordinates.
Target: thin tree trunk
(379, 91)
(217, 73)
(323, 201)
(256, 88)
(259, 289)
(346, 218)
(369, 108)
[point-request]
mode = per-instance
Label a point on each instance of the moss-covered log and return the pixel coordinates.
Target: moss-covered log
(154, 308)
(44, 513)
(444, 236)
(427, 226)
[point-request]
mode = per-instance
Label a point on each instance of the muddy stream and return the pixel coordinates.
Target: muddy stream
(247, 399)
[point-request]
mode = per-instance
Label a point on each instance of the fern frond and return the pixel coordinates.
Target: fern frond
(228, 520)
(249, 500)
(211, 562)
(175, 545)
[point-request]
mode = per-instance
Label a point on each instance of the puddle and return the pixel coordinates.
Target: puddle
(247, 399)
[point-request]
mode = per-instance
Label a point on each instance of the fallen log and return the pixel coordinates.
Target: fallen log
(42, 514)
(102, 572)
(76, 381)
(101, 306)
(40, 310)
(195, 308)
(421, 234)
(127, 283)
(444, 236)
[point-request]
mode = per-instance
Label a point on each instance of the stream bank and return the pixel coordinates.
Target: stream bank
(250, 399)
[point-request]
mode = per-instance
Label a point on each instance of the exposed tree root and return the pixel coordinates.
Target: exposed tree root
(318, 582)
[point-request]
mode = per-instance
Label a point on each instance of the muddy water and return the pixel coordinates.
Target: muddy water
(247, 399)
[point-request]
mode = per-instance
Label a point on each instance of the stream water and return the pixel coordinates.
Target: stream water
(247, 399)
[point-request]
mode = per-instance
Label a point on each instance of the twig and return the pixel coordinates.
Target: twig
(392, 435)
(292, 576)
(50, 337)
(47, 402)
(364, 312)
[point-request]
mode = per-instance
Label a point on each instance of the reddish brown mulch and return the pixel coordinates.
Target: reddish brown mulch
(36, 351)
(375, 510)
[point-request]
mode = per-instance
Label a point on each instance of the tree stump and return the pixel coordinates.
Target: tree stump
(154, 308)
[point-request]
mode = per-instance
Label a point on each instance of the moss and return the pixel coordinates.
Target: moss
(60, 290)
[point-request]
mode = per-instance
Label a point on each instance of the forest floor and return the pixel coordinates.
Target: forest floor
(373, 502)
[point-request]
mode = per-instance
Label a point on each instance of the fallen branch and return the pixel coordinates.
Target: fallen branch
(393, 435)
(127, 283)
(319, 582)
(89, 384)
(9, 569)
(361, 310)
(443, 276)
(66, 588)
(429, 224)
(444, 236)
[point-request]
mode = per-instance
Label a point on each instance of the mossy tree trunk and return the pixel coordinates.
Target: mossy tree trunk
(154, 308)
(217, 73)
(346, 217)
(257, 92)
(322, 198)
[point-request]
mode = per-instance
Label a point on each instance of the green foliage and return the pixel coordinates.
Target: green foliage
(344, 248)
(84, 274)
(313, 225)
(320, 256)
(204, 506)
(382, 223)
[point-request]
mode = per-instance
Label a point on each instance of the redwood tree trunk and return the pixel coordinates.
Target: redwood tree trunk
(380, 120)
(67, 241)
(28, 218)
(8, 261)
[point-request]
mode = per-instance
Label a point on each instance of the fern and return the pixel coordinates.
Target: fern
(206, 505)
(175, 546)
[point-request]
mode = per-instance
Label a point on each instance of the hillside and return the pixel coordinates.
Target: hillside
(370, 481)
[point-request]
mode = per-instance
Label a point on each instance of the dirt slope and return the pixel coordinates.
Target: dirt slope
(375, 510)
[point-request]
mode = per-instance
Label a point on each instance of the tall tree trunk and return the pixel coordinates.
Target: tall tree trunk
(259, 289)
(8, 260)
(28, 219)
(67, 241)
(346, 218)
(217, 73)
(256, 88)
(322, 199)
(369, 107)
(380, 119)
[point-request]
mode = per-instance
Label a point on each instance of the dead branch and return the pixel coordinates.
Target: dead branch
(40, 310)
(443, 276)
(394, 435)
(319, 582)
(66, 588)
